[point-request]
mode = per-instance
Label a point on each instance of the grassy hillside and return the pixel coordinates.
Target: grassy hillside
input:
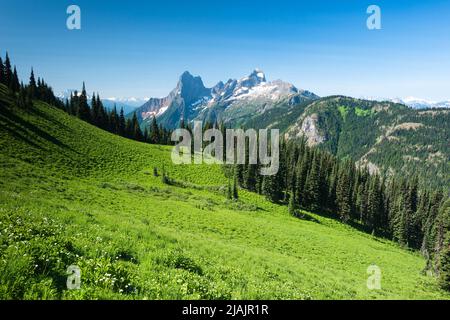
(72, 194)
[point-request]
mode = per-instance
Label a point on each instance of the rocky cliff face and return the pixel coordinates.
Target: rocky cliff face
(309, 129)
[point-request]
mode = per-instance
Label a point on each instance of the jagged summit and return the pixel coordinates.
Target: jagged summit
(191, 100)
(255, 78)
(187, 77)
(259, 74)
(190, 88)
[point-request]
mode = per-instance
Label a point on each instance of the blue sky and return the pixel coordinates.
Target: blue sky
(139, 48)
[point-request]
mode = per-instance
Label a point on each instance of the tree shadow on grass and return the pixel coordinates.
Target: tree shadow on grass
(23, 138)
(48, 117)
(16, 127)
(302, 215)
(352, 223)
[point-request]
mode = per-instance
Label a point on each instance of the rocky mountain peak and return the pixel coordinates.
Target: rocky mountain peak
(255, 78)
(259, 74)
(191, 88)
(188, 81)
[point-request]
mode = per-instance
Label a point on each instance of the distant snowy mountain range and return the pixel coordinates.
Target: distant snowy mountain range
(415, 103)
(128, 104)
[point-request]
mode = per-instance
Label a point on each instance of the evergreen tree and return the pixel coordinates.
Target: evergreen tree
(8, 71)
(331, 198)
(270, 188)
(102, 116)
(390, 199)
(67, 106)
(250, 177)
(154, 132)
(406, 213)
(137, 133)
(23, 99)
(282, 175)
(240, 172)
(433, 230)
(292, 157)
(324, 179)
(74, 103)
(114, 123)
(122, 123)
(415, 226)
(413, 193)
(300, 182)
(2, 71)
(15, 84)
(229, 190)
(360, 203)
(343, 195)
(312, 185)
(266, 188)
(399, 221)
(32, 87)
(83, 112)
(38, 90)
(145, 137)
(423, 212)
(128, 129)
(95, 111)
(374, 204)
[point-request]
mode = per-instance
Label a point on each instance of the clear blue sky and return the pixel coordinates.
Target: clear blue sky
(139, 48)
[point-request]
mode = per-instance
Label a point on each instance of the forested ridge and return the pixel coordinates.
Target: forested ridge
(385, 136)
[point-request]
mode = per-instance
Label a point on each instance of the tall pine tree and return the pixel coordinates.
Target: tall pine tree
(15, 84)
(32, 86)
(343, 194)
(2, 71)
(8, 71)
(122, 123)
(312, 185)
(155, 137)
(374, 204)
(137, 133)
(84, 112)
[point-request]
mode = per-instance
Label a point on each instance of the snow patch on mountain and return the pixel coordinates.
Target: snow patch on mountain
(269, 90)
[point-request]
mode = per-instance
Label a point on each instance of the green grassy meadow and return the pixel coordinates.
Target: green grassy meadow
(72, 194)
